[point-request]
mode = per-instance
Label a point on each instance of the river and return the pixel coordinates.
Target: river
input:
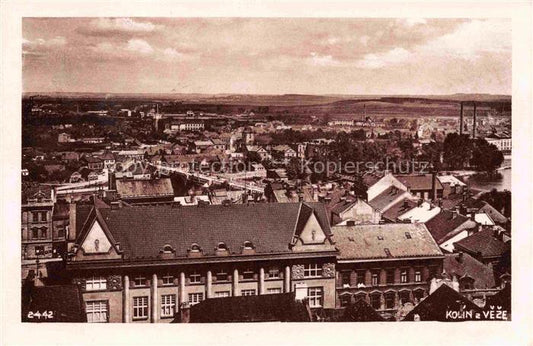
(500, 185)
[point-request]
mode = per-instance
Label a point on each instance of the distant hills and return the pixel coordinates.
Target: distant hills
(273, 100)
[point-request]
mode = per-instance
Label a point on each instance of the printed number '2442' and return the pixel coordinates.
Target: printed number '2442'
(45, 315)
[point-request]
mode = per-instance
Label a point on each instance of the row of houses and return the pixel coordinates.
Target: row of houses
(142, 263)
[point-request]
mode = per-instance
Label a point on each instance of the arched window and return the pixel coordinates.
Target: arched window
(222, 246)
(248, 245)
(195, 248)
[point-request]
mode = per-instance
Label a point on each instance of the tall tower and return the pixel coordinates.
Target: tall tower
(474, 123)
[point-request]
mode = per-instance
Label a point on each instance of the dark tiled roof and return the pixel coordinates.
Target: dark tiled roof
(419, 181)
(502, 298)
(65, 302)
(361, 311)
(484, 243)
(444, 223)
(399, 208)
(465, 265)
(260, 308)
(144, 188)
(143, 231)
(435, 306)
(370, 241)
(384, 199)
(82, 213)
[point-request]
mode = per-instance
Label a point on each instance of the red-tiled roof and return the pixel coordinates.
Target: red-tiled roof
(370, 241)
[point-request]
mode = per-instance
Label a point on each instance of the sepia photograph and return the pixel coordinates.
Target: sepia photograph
(247, 169)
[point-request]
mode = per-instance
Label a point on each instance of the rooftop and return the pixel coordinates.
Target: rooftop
(384, 241)
(144, 188)
(269, 226)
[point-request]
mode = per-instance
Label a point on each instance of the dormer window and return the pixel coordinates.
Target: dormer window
(195, 248)
(168, 249)
(248, 245)
(222, 247)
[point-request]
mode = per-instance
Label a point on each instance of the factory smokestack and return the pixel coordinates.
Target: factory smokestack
(461, 126)
(474, 124)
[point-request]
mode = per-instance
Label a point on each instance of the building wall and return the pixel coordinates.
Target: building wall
(181, 286)
(427, 268)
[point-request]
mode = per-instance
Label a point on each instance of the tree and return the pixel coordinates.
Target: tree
(501, 200)
(486, 157)
(457, 151)
(294, 169)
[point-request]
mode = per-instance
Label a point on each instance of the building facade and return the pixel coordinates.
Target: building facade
(386, 265)
(197, 253)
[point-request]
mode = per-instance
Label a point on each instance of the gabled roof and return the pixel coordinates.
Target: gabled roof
(418, 181)
(144, 188)
(384, 200)
(463, 265)
(371, 241)
(484, 243)
(399, 208)
(260, 308)
(444, 223)
(361, 311)
(435, 306)
(269, 226)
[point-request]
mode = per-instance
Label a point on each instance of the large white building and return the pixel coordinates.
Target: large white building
(502, 142)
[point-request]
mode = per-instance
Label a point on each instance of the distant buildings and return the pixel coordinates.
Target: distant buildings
(503, 142)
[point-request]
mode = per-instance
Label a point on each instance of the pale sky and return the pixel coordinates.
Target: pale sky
(267, 56)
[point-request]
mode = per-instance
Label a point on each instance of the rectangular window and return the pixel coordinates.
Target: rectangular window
(39, 250)
(96, 283)
(168, 305)
(44, 216)
(97, 311)
(43, 233)
(403, 276)
(418, 276)
(195, 298)
(273, 273)
(345, 277)
(248, 293)
(248, 274)
(61, 233)
(168, 280)
(195, 278)
(35, 216)
(360, 277)
(222, 294)
(140, 307)
(222, 276)
(34, 233)
(315, 297)
(375, 279)
(375, 301)
(389, 301)
(276, 290)
(390, 276)
(139, 281)
(312, 270)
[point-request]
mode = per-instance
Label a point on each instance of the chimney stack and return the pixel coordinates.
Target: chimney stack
(434, 185)
(461, 121)
(474, 124)
(185, 313)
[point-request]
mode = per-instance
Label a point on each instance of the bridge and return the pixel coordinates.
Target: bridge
(209, 179)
